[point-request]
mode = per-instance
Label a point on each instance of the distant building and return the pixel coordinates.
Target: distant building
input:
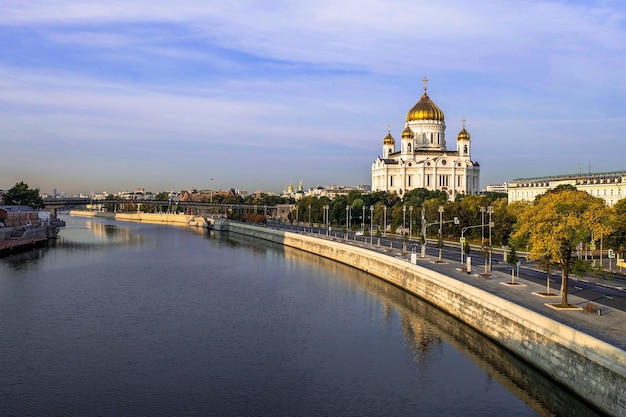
(497, 188)
(295, 194)
(14, 216)
(609, 186)
(423, 161)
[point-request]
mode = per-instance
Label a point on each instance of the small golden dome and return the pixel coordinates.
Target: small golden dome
(463, 135)
(425, 109)
(389, 140)
(407, 133)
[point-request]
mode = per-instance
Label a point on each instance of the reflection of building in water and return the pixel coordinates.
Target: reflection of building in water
(112, 234)
(427, 330)
(423, 337)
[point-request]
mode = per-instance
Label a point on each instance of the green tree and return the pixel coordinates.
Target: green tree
(22, 195)
(617, 239)
(512, 259)
(556, 222)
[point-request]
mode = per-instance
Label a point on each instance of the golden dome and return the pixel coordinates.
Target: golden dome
(463, 135)
(389, 140)
(407, 133)
(425, 109)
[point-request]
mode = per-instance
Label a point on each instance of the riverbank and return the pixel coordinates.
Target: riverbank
(593, 368)
(23, 238)
(156, 218)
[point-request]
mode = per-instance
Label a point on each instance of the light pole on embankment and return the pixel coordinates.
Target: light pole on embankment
(490, 211)
(372, 225)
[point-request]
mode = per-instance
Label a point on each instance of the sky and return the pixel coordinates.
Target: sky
(255, 95)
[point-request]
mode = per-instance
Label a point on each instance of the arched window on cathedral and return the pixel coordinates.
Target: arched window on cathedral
(409, 147)
(431, 138)
(465, 149)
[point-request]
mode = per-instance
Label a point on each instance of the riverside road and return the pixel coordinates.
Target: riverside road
(608, 292)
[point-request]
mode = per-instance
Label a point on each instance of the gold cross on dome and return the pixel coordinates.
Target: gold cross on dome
(463, 120)
(425, 80)
(388, 128)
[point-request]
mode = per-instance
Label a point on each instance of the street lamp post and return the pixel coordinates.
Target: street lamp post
(347, 210)
(371, 225)
(423, 233)
(440, 231)
(482, 223)
(410, 222)
(211, 190)
(384, 219)
(309, 215)
(363, 220)
(403, 229)
(350, 216)
(462, 241)
(403, 219)
(490, 211)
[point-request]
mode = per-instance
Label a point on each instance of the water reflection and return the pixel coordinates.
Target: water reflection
(426, 329)
(22, 260)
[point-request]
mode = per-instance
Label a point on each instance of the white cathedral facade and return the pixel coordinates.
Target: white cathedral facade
(423, 160)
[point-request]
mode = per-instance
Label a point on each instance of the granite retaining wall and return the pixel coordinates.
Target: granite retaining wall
(593, 369)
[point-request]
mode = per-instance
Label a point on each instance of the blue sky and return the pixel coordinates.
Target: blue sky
(166, 95)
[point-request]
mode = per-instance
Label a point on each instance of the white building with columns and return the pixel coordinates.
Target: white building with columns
(609, 186)
(423, 160)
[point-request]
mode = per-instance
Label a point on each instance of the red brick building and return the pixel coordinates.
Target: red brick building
(12, 216)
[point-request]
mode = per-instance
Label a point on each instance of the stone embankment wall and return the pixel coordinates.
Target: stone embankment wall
(590, 367)
(144, 217)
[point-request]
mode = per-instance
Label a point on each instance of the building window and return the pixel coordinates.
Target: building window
(409, 181)
(391, 180)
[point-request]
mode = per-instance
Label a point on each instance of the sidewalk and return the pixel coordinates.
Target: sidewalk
(609, 326)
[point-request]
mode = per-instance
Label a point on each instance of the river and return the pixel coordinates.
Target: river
(131, 319)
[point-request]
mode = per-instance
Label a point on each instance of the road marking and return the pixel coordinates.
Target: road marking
(578, 288)
(609, 297)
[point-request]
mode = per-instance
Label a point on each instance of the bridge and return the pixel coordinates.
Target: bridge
(171, 206)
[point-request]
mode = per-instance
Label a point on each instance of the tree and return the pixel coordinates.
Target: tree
(556, 222)
(22, 195)
(512, 259)
(617, 239)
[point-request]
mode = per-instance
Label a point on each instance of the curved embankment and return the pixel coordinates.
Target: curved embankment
(593, 369)
(181, 219)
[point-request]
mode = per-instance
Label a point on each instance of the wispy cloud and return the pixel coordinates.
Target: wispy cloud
(258, 85)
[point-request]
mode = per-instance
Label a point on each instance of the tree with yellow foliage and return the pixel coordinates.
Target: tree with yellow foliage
(556, 222)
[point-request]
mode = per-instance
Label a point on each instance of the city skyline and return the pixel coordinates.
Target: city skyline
(116, 95)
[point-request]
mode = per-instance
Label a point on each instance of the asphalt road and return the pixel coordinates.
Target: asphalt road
(604, 291)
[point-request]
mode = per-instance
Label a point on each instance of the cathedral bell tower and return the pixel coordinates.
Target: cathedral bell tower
(463, 142)
(389, 144)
